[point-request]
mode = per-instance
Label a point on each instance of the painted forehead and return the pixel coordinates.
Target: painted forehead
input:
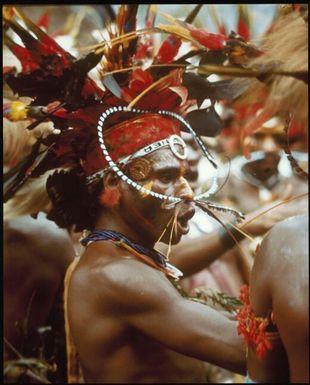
(164, 158)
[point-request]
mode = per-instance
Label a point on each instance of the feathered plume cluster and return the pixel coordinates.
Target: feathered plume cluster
(281, 89)
(286, 45)
(131, 74)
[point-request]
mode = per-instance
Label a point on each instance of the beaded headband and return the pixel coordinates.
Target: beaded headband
(125, 178)
(172, 141)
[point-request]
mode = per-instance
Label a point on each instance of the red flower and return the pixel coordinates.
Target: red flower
(244, 294)
(252, 328)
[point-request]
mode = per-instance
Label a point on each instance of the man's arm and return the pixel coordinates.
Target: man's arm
(280, 282)
(193, 255)
(145, 299)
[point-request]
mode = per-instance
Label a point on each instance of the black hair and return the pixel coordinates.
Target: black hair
(73, 202)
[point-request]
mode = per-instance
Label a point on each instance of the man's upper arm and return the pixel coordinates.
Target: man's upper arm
(280, 283)
(290, 295)
(260, 276)
(147, 301)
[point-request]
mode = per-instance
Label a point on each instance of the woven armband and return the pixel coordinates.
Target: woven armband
(226, 239)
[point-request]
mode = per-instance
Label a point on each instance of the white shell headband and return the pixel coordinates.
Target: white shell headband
(171, 141)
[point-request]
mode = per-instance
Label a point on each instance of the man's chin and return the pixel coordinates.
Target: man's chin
(173, 241)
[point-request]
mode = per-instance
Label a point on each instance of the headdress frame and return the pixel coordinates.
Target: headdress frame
(132, 183)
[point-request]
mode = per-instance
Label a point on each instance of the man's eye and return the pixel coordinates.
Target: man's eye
(166, 178)
(191, 175)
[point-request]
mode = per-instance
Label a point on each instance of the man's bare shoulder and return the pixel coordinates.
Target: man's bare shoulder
(290, 287)
(283, 257)
(295, 223)
(287, 240)
(27, 227)
(41, 238)
(123, 280)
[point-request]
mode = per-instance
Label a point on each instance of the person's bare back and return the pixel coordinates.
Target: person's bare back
(280, 282)
(36, 255)
(138, 333)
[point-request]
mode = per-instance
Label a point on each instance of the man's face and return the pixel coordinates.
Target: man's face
(145, 213)
(267, 142)
(193, 158)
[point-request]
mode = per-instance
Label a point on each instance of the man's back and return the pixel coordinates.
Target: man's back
(36, 255)
(280, 282)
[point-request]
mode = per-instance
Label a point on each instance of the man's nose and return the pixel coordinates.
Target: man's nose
(183, 190)
(269, 144)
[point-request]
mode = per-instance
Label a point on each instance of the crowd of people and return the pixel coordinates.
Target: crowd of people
(149, 238)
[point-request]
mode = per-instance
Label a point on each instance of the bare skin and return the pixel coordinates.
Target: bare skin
(210, 247)
(139, 328)
(36, 256)
(280, 281)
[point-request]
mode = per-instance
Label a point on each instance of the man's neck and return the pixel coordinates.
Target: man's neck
(112, 220)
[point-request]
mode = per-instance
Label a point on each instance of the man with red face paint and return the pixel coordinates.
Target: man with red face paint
(139, 328)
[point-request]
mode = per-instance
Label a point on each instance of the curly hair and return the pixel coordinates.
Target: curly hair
(73, 202)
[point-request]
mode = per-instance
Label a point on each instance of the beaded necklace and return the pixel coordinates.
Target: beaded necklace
(137, 250)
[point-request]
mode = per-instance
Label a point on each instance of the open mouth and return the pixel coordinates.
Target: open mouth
(182, 221)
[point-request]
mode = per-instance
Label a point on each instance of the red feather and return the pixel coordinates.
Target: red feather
(169, 49)
(140, 80)
(44, 21)
(243, 29)
(90, 88)
(222, 29)
(28, 61)
(209, 40)
(243, 26)
(8, 70)
(44, 45)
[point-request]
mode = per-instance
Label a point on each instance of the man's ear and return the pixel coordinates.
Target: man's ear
(111, 180)
(110, 195)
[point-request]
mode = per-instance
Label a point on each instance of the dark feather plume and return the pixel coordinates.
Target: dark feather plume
(17, 176)
(205, 122)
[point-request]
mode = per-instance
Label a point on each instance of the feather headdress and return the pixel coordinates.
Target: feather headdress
(74, 101)
(284, 48)
(63, 92)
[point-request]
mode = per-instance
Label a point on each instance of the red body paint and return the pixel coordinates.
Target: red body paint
(110, 198)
